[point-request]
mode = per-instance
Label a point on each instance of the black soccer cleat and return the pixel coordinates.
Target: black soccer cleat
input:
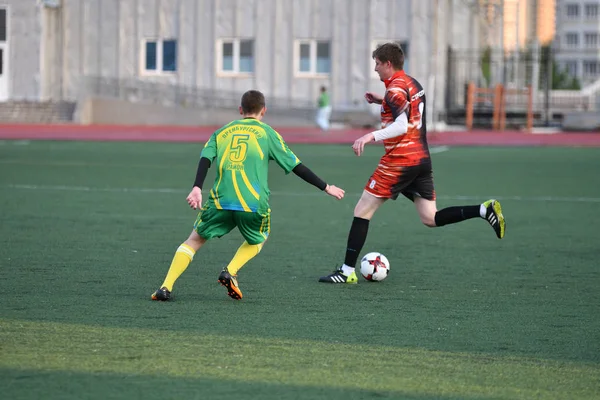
(338, 277)
(162, 294)
(493, 215)
(230, 282)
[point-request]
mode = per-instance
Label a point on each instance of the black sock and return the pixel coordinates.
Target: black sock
(356, 240)
(451, 215)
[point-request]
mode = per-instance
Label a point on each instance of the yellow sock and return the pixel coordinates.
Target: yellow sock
(182, 259)
(244, 254)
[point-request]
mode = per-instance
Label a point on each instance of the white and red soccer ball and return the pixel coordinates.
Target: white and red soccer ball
(374, 266)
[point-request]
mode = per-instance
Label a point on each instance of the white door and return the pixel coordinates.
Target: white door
(3, 55)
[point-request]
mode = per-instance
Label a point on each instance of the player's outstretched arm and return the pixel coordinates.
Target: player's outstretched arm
(335, 191)
(194, 199)
(373, 98)
(308, 176)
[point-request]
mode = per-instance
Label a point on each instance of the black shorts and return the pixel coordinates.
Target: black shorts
(415, 181)
(390, 181)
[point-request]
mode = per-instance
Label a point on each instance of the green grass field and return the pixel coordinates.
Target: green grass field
(87, 231)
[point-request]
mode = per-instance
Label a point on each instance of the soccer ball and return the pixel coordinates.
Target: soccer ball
(374, 266)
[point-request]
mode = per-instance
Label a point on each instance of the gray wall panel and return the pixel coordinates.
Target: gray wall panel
(323, 14)
(263, 47)
(341, 54)
(92, 44)
(129, 40)
(168, 18)
(225, 17)
(205, 45)
(73, 48)
(360, 56)
(187, 45)
(379, 24)
(24, 40)
(248, 15)
(148, 18)
(281, 60)
(108, 20)
(302, 19)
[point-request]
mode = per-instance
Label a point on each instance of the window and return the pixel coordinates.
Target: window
(591, 69)
(591, 40)
(591, 10)
(169, 56)
(313, 57)
(235, 56)
(2, 24)
(378, 42)
(572, 40)
(572, 10)
(571, 68)
(159, 56)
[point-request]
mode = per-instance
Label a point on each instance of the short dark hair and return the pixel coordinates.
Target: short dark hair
(253, 102)
(390, 52)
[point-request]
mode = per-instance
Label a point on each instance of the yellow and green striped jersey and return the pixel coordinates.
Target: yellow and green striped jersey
(241, 151)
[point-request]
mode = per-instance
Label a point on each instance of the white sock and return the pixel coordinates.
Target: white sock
(347, 270)
(482, 210)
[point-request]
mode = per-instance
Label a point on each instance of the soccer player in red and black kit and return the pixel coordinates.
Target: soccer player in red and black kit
(405, 168)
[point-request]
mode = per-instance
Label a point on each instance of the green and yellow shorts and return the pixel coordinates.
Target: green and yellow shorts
(214, 223)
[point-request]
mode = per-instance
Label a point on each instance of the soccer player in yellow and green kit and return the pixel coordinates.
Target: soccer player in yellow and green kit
(241, 151)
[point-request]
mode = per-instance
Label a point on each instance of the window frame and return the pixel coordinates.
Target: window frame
(159, 57)
(6, 23)
(571, 67)
(593, 37)
(575, 7)
(572, 35)
(587, 73)
(589, 6)
(313, 44)
(236, 57)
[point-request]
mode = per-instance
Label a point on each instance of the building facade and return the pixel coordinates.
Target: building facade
(526, 22)
(286, 48)
(577, 46)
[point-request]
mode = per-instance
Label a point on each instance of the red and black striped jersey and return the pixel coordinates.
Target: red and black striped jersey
(404, 94)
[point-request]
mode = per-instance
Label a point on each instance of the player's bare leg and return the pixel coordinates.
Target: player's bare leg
(427, 210)
(363, 212)
(367, 205)
(490, 210)
(181, 260)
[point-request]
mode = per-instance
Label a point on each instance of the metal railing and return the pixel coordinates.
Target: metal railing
(169, 94)
(517, 70)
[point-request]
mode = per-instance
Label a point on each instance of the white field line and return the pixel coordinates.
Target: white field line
(438, 149)
(432, 150)
(292, 194)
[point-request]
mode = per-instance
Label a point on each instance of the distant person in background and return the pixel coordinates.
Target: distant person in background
(324, 111)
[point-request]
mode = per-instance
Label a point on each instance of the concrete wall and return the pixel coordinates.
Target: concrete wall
(104, 38)
(24, 38)
(120, 112)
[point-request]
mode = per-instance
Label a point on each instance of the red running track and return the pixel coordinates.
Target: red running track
(290, 134)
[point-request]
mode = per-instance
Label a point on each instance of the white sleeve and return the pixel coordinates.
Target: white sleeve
(397, 128)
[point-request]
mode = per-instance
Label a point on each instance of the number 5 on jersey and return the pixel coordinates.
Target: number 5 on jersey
(239, 148)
